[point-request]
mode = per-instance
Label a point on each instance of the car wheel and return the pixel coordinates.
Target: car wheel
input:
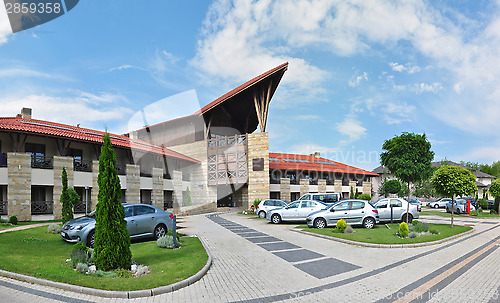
(369, 223)
(320, 223)
(458, 211)
(91, 239)
(160, 231)
(448, 210)
(436, 206)
(276, 219)
(262, 214)
(410, 218)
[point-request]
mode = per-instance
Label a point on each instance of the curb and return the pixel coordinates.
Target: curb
(375, 245)
(116, 294)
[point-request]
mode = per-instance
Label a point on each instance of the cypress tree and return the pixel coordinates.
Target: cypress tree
(66, 201)
(112, 240)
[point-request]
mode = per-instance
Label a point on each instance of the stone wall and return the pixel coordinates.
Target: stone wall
(337, 186)
(95, 186)
(19, 186)
(201, 193)
(59, 163)
(258, 181)
(367, 188)
(304, 186)
(133, 192)
(157, 192)
(352, 184)
(322, 185)
(285, 189)
(177, 194)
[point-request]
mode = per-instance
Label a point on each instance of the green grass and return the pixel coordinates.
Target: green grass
(36, 253)
(8, 225)
(382, 235)
(448, 215)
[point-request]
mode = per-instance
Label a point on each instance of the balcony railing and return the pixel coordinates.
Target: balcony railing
(81, 165)
(3, 160)
(42, 207)
(3, 207)
(44, 162)
(80, 208)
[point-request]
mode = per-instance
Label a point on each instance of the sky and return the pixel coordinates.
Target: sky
(360, 72)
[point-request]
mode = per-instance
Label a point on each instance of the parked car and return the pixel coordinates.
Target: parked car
(295, 211)
(459, 206)
(439, 203)
(399, 209)
(329, 198)
(417, 202)
(354, 212)
(266, 205)
(471, 199)
(491, 204)
(143, 220)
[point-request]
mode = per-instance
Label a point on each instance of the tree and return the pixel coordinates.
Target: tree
(453, 181)
(112, 240)
(424, 189)
(67, 203)
(408, 157)
(392, 186)
(495, 192)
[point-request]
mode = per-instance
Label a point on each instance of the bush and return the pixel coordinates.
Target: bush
(54, 229)
(348, 230)
(403, 230)
(412, 235)
(79, 254)
(13, 220)
(341, 225)
(474, 213)
(82, 267)
(492, 211)
(166, 242)
(434, 231)
(483, 203)
(364, 197)
(171, 234)
(123, 273)
(419, 227)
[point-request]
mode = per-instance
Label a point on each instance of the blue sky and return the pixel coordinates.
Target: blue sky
(360, 71)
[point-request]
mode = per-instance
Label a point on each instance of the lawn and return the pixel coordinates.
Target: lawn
(382, 235)
(36, 253)
(485, 214)
(6, 225)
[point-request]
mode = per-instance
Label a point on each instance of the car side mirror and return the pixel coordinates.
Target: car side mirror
(332, 210)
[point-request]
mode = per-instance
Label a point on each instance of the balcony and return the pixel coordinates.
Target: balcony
(3, 207)
(3, 160)
(81, 165)
(42, 207)
(41, 161)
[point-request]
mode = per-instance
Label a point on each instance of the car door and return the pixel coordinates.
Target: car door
(291, 212)
(306, 207)
(145, 219)
(397, 208)
(337, 212)
(356, 213)
(384, 212)
(130, 218)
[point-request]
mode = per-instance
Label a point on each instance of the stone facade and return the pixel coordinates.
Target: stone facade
(285, 193)
(304, 186)
(352, 184)
(367, 188)
(133, 192)
(157, 192)
(321, 185)
(177, 195)
(19, 186)
(201, 193)
(59, 163)
(95, 186)
(258, 181)
(337, 185)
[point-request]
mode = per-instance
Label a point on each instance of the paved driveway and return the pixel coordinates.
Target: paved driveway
(259, 262)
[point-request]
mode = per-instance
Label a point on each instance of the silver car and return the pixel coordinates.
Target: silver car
(143, 220)
(353, 212)
(295, 211)
(439, 203)
(459, 206)
(399, 207)
(266, 205)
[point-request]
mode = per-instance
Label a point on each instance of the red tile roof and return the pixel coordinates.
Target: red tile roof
(312, 163)
(57, 130)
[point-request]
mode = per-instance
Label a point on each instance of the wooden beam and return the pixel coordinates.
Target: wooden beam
(257, 110)
(267, 101)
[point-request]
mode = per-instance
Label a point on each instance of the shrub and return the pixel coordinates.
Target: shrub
(90, 256)
(474, 213)
(412, 235)
(54, 229)
(419, 227)
(82, 267)
(122, 273)
(403, 230)
(112, 240)
(166, 242)
(79, 254)
(492, 211)
(364, 197)
(171, 234)
(483, 203)
(434, 231)
(67, 206)
(415, 222)
(13, 220)
(341, 225)
(348, 230)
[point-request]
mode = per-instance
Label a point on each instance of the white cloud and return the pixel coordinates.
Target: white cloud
(307, 149)
(356, 79)
(409, 68)
(395, 113)
(352, 129)
(5, 28)
(23, 72)
(426, 87)
(121, 67)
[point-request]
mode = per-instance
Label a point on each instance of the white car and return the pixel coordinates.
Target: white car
(441, 203)
(295, 211)
(266, 205)
(399, 208)
(329, 198)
